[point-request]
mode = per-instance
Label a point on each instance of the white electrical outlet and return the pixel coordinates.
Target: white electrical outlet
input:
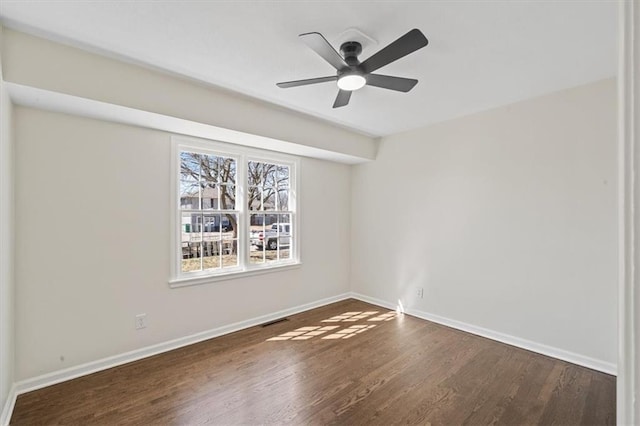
(420, 292)
(141, 321)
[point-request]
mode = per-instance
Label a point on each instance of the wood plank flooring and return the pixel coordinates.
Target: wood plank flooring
(346, 363)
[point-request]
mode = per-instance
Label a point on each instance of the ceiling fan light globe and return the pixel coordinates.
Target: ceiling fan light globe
(351, 82)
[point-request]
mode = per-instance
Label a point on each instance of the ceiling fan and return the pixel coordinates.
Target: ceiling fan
(351, 73)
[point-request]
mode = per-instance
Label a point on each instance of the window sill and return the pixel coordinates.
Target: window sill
(207, 279)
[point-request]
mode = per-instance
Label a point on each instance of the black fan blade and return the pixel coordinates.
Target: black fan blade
(321, 46)
(342, 99)
(297, 83)
(392, 83)
(408, 43)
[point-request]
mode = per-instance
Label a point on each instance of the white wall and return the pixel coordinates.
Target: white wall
(6, 245)
(92, 245)
(507, 218)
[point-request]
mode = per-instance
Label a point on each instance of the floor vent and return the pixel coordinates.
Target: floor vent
(266, 324)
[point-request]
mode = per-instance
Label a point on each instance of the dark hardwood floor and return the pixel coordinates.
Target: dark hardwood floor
(365, 367)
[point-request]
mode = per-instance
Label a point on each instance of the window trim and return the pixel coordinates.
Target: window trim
(242, 155)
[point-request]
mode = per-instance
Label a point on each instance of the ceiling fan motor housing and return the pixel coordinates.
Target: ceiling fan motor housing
(350, 51)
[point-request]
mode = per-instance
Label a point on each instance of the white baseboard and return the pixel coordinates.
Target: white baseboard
(52, 378)
(7, 410)
(572, 357)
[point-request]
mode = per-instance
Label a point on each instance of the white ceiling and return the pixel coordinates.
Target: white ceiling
(481, 54)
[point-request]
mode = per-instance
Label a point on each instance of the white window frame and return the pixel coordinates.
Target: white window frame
(242, 155)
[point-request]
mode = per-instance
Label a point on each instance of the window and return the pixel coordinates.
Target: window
(235, 211)
(269, 213)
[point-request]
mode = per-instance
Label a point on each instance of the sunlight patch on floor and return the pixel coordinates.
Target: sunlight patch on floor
(309, 332)
(304, 333)
(349, 332)
(384, 317)
(350, 316)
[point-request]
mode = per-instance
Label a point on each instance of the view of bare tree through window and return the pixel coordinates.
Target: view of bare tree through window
(209, 222)
(269, 212)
